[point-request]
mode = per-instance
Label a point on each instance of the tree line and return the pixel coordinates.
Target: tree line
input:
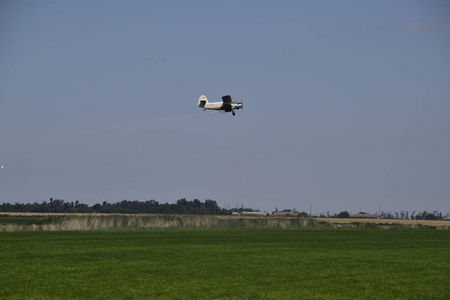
(424, 215)
(182, 206)
(403, 215)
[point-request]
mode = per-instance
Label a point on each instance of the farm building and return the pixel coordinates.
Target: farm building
(253, 213)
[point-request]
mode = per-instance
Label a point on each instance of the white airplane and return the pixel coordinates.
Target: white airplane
(227, 104)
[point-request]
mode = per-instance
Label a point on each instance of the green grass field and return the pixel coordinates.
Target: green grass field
(226, 264)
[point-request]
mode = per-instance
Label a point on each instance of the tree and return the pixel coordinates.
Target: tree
(344, 214)
(97, 207)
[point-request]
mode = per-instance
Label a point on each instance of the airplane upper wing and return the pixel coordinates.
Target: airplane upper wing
(226, 99)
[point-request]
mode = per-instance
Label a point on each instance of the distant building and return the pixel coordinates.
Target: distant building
(253, 213)
(363, 216)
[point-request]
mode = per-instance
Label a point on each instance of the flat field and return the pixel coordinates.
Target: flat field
(226, 264)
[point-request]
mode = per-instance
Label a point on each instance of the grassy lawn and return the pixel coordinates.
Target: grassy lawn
(226, 264)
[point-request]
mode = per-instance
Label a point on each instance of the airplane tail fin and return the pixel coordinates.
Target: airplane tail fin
(202, 101)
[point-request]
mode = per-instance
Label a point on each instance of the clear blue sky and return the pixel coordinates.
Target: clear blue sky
(347, 103)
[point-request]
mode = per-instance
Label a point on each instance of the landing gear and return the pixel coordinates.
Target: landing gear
(233, 112)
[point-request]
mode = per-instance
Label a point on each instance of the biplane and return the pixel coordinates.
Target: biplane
(227, 104)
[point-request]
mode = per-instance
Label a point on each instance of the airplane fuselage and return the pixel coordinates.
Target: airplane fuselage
(222, 106)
